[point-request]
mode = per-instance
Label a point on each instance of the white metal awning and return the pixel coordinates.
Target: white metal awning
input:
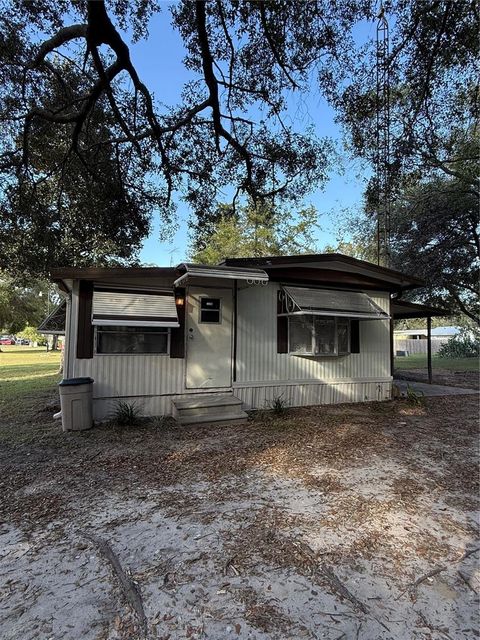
(134, 308)
(251, 274)
(329, 302)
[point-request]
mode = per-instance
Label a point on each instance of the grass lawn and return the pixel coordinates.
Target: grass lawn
(419, 361)
(26, 371)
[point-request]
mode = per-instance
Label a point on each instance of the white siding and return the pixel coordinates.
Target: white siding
(258, 360)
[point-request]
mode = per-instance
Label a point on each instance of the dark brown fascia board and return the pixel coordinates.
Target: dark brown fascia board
(97, 273)
(274, 261)
(407, 310)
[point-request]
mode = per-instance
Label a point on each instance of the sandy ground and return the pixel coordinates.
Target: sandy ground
(354, 521)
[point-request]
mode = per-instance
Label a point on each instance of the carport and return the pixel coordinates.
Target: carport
(402, 310)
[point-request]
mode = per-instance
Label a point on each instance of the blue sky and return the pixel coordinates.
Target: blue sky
(159, 63)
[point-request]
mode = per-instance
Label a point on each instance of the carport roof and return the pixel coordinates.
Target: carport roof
(401, 310)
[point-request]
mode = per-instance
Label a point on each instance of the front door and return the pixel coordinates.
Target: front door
(209, 337)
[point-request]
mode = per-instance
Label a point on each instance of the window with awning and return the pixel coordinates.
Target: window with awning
(329, 302)
(134, 308)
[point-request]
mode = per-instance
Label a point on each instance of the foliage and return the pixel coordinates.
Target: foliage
(461, 346)
(30, 333)
(433, 96)
(278, 405)
(415, 397)
(254, 230)
(22, 305)
(434, 236)
(126, 414)
(88, 153)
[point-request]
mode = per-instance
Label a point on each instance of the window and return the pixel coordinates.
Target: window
(210, 310)
(132, 339)
(311, 335)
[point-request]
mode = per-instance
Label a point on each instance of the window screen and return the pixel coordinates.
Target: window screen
(210, 309)
(300, 334)
(343, 334)
(112, 339)
(318, 335)
(324, 335)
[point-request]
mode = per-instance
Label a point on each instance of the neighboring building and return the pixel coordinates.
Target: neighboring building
(210, 341)
(405, 340)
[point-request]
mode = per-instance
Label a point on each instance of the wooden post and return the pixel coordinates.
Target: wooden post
(429, 349)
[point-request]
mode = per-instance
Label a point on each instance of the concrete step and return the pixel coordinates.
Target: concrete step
(209, 408)
(217, 420)
(206, 400)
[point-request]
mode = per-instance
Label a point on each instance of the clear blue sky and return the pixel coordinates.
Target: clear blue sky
(159, 62)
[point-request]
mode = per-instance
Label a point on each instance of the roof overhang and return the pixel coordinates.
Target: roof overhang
(189, 271)
(402, 310)
(330, 268)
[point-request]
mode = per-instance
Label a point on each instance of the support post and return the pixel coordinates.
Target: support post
(392, 352)
(429, 349)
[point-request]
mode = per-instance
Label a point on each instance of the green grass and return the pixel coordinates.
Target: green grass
(419, 361)
(26, 371)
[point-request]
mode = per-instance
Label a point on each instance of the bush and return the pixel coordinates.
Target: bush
(278, 405)
(126, 414)
(459, 347)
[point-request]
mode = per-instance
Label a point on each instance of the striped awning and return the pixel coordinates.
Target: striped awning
(331, 302)
(134, 308)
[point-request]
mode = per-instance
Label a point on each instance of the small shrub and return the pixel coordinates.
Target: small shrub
(126, 414)
(415, 397)
(278, 405)
(162, 422)
(460, 347)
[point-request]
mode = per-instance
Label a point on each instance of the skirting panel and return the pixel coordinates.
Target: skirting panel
(303, 395)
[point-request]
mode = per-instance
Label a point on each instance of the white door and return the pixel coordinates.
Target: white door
(209, 338)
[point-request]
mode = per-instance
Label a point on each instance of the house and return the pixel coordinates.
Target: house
(204, 343)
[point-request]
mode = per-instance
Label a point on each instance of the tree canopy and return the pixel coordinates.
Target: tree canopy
(88, 152)
(21, 306)
(254, 230)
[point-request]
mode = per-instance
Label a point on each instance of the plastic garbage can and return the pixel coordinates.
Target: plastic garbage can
(76, 403)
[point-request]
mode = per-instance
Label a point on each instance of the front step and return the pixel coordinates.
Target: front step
(206, 408)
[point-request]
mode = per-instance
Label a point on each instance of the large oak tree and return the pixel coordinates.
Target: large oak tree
(87, 152)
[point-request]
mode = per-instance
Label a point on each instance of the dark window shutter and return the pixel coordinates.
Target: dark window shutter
(85, 327)
(282, 329)
(177, 337)
(354, 336)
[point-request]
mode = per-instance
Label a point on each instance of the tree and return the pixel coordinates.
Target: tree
(434, 93)
(64, 63)
(434, 237)
(21, 306)
(255, 230)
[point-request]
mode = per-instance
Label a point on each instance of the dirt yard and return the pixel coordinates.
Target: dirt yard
(464, 379)
(354, 521)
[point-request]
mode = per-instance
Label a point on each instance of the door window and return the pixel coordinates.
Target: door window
(210, 310)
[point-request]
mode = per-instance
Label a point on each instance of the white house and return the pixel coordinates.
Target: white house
(204, 343)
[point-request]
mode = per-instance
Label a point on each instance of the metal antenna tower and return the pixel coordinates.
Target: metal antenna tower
(382, 160)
